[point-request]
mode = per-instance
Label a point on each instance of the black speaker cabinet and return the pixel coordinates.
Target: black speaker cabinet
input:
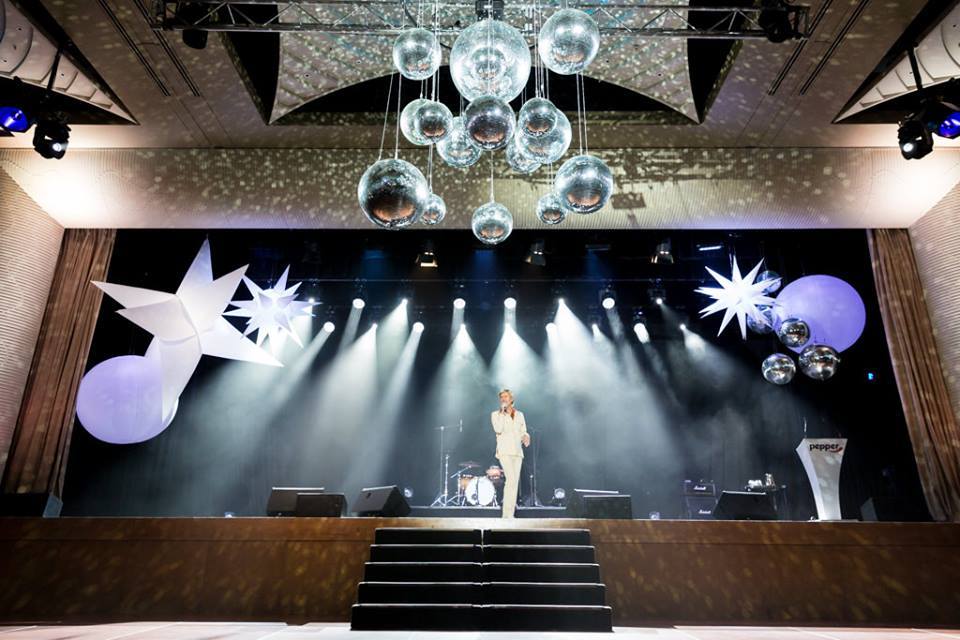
(320, 505)
(617, 507)
(576, 505)
(745, 505)
(283, 500)
(888, 509)
(699, 507)
(386, 502)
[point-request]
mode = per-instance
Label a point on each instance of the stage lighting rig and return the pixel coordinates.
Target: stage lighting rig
(51, 137)
(657, 294)
(13, 119)
(663, 254)
(427, 258)
(779, 20)
(934, 116)
(608, 298)
(535, 255)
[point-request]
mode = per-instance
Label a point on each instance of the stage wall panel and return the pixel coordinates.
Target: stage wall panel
(296, 570)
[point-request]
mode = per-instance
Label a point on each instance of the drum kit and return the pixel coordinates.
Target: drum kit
(475, 486)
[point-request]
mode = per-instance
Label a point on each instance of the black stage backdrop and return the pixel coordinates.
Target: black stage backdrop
(607, 412)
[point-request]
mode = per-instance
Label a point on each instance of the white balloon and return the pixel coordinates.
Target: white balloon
(120, 400)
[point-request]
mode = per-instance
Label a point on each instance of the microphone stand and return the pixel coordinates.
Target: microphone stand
(443, 496)
(533, 500)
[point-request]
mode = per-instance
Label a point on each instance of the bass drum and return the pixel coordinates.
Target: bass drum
(480, 492)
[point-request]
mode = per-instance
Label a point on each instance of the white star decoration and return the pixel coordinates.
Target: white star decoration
(270, 312)
(738, 296)
(187, 324)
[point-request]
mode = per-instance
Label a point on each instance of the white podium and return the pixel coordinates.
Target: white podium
(821, 458)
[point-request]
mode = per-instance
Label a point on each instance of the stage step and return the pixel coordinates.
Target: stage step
(538, 553)
(426, 553)
(460, 617)
(410, 535)
(575, 537)
(423, 572)
(484, 593)
(541, 572)
(473, 580)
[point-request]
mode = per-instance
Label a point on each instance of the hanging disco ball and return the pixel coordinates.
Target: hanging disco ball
(434, 211)
(778, 368)
(457, 149)
(793, 333)
(773, 278)
(550, 147)
(584, 184)
(550, 210)
(492, 223)
(489, 122)
(416, 54)
(518, 160)
(764, 327)
(537, 117)
(569, 41)
(490, 58)
(425, 122)
(818, 361)
(392, 193)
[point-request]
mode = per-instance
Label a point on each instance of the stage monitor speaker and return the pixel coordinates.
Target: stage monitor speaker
(283, 500)
(615, 507)
(320, 505)
(745, 505)
(575, 504)
(702, 488)
(387, 502)
(889, 509)
(699, 507)
(30, 505)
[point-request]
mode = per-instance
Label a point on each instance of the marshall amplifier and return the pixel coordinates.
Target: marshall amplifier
(701, 488)
(699, 507)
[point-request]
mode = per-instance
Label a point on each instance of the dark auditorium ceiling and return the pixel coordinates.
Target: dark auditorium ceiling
(831, 101)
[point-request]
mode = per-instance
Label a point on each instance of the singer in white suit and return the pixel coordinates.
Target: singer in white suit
(511, 430)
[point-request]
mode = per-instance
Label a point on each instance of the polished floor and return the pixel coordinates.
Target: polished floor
(321, 631)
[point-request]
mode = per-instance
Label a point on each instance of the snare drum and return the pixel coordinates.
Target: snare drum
(480, 491)
(464, 481)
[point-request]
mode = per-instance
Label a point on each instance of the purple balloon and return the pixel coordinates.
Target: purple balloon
(831, 307)
(120, 400)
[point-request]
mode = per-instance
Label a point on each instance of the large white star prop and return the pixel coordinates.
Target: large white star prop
(738, 296)
(271, 311)
(188, 324)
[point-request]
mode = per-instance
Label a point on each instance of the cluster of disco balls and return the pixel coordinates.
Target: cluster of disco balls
(490, 65)
(816, 317)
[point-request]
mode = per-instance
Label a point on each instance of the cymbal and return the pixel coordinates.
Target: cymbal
(469, 463)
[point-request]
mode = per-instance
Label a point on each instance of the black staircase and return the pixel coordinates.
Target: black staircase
(490, 580)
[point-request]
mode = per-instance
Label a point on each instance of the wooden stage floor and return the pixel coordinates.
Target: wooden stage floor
(320, 631)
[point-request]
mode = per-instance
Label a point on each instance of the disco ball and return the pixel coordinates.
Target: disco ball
(569, 41)
(434, 211)
(549, 147)
(489, 122)
(584, 184)
(490, 58)
(537, 117)
(457, 150)
(794, 332)
(778, 368)
(818, 361)
(425, 122)
(550, 210)
(518, 160)
(492, 223)
(392, 193)
(766, 311)
(773, 278)
(416, 54)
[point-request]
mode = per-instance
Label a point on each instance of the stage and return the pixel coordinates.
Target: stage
(300, 570)
(276, 631)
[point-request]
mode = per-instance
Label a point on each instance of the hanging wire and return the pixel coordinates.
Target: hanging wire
(396, 141)
(583, 101)
(386, 114)
(430, 169)
(579, 118)
(490, 153)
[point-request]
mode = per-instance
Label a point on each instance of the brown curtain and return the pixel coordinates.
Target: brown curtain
(38, 453)
(926, 403)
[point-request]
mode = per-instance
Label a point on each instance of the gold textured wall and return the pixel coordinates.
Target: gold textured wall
(936, 244)
(29, 246)
(296, 570)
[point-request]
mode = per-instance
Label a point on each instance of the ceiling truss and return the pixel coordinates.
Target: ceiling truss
(387, 18)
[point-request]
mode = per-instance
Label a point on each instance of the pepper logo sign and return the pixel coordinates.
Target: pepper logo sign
(832, 447)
